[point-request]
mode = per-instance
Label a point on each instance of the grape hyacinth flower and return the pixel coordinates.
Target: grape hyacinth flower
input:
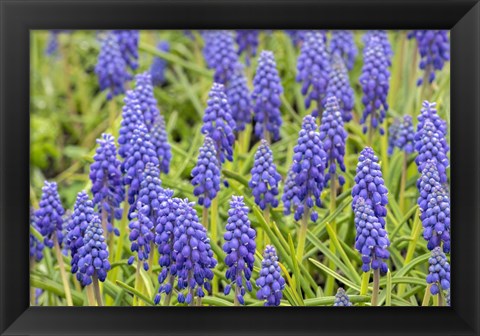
(405, 136)
(374, 80)
(382, 37)
(439, 272)
(220, 54)
(107, 185)
(265, 178)
(239, 99)
(247, 41)
(333, 137)
(313, 70)
(193, 255)
(111, 68)
(159, 65)
(49, 216)
(339, 86)
(159, 140)
(128, 43)
(429, 179)
(434, 49)
(218, 123)
(341, 299)
(239, 248)
(206, 174)
(343, 45)
(131, 118)
(290, 192)
(296, 36)
(270, 281)
(146, 99)
(52, 43)
(392, 135)
(369, 184)
(267, 89)
(36, 246)
(429, 112)
(436, 219)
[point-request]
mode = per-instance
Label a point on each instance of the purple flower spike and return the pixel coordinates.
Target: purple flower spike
(333, 136)
(339, 86)
(131, 118)
(128, 43)
(290, 192)
(239, 99)
(342, 299)
(218, 123)
(247, 41)
(270, 281)
(159, 65)
(428, 180)
(49, 216)
(309, 160)
(146, 99)
(434, 48)
(111, 68)
(439, 272)
(393, 131)
(159, 139)
(265, 178)
(52, 44)
(371, 240)
(193, 255)
(266, 96)
(374, 79)
(220, 54)
(406, 135)
(36, 246)
(296, 36)
(369, 184)
(206, 174)
(436, 219)
(313, 69)
(239, 248)
(141, 234)
(343, 45)
(429, 112)
(93, 255)
(382, 37)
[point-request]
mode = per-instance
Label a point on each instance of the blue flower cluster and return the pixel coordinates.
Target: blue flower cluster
(439, 272)
(206, 174)
(267, 89)
(131, 118)
(392, 135)
(297, 36)
(333, 137)
(247, 41)
(290, 192)
(265, 178)
(341, 299)
(371, 240)
(36, 246)
(382, 37)
(429, 179)
(436, 219)
(218, 122)
(159, 140)
(343, 44)
(220, 54)
(434, 49)
(159, 65)
(313, 69)
(339, 86)
(239, 248)
(402, 135)
(128, 43)
(239, 99)
(145, 99)
(49, 215)
(52, 43)
(270, 279)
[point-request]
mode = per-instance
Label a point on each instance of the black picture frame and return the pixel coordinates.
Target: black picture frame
(19, 16)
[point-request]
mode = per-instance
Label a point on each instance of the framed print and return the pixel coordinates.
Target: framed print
(239, 168)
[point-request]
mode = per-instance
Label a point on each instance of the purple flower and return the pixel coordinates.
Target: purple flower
(439, 272)
(429, 179)
(296, 36)
(434, 49)
(290, 192)
(239, 248)
(131, 118)
(93, 255)
(371, 240)
(369, 184)
(36, 246)
(111, 68)
(206, 174)
(436, 219)
(107, 185)
(375, 84)
(159, 140)
(267, 89)
(247, 41)
(239, 99)
(49, 216)
(146, 99)
(218, 123)
(159, 65)
(429, 112)
(339, 86)
(343, 45)
(141, 234)
(270, 280)
(406, 135)
(220, 54)
(382, 37)
(52, 43)
(393, 132)
(313, 69)
(341, 299)
(128, 43)
(309, 160)
(193, 255)
(333, 137)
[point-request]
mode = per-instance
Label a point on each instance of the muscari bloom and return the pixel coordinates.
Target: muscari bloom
(218, 123)
(375, 84)
(371, 240)
(265, 178)
(343, 45)
(49, 216)
(369, 184)
(429, 112)
(309, 160)
(128, 42)
(239, 99)
(290, 192)
(36, 246)
(382, 37)
(267, 89)
(193, 255)
(146, 99)
(313, 69)
(404, 139)
(220, 54)
(131, 118)
(107, 186)
(52, 43)
(159, 140)
(333, 137)
(296, 36)
(339, 86)
(206, 174)
(93, 255)
(270, 280)
(239, 248)
(111, 68)
(429, 179)
(341, 299)
(247, 41)
(434, 49)
(392, 135)
(159, 65)
(439, 272)
(436, 219)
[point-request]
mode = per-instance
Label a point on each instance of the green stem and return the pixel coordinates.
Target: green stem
(213, 232)
(90, 296)
(333, 204)
(138, 282)
(403, 182)
(441, 301)
(205, 217)
(32, 289)
(63, 274)
(104, 224)
(96, 290)
(168, 297)
(426, 297)
(235, 298)
(266, 215)
(302, 234)
(376, 286)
